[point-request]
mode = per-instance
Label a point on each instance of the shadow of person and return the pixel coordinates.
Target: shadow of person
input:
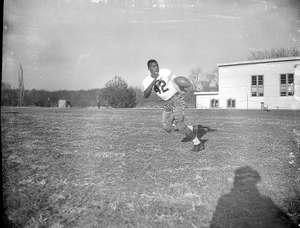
(202, 130)
(245, 207)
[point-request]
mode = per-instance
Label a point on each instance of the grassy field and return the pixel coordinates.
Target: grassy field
(118, 168)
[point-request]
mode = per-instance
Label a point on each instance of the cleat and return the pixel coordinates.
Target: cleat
(175, 128)
(198, 147)
(195, 130)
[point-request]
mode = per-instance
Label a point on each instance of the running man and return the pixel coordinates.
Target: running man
(173, 112)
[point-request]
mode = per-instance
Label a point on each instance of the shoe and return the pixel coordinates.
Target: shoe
(195, 130)
(198, 147)
(175, 128)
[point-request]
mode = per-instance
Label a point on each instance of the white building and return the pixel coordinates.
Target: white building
(62, 104)
(259, 84)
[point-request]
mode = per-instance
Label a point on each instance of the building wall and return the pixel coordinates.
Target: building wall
(203, 99)
(297, 81)
(235, 83)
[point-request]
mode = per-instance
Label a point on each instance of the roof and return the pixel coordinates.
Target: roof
(207, 93)
(287, 59)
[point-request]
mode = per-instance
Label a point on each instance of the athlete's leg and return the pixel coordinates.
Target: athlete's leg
(179, 115)
(187, 130)
(174, 114)
(167, 121)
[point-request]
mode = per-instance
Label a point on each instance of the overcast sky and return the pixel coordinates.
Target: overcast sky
(81, 44)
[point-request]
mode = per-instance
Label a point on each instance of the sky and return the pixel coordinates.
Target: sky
(82, 44)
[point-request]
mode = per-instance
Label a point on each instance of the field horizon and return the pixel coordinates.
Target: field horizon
(118, 168)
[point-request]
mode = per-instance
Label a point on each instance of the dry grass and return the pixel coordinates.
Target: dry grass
(118, 168)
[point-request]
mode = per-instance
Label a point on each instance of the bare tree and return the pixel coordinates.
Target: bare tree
(21, 86)
(195, 77)
(274, 53)
(202, 80)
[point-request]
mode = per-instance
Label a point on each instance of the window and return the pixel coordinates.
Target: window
(286, 84)
(231, 103)
(214, 103)
(257, 85)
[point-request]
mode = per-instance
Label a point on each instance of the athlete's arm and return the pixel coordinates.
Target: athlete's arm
(147, 92)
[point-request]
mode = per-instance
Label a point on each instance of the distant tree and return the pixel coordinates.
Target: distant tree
(118, 94)
(153, 100)
(202, 80)
(9, 96)
(21, 86)
(274, 53)
(80, 98)
(99, 97)
(139, 95)
(129, 98)
(5, 86)
(36, 98)
(215, 78)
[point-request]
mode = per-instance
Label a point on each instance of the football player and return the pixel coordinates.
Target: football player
(173, 112)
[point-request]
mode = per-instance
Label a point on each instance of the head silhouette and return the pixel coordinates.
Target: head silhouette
(246, 176)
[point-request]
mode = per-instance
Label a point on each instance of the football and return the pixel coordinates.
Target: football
(182, 82)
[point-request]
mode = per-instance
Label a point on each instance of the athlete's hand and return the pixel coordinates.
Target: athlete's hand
(156, 89)
(155, 86)
(156, 75)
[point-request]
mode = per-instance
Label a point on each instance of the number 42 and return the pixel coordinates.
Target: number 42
(160, 87)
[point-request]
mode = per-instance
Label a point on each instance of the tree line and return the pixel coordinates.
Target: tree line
(118, 94)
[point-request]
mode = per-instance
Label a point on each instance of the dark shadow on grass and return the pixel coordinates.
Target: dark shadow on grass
(202, 130)
(245, 207)
(12, 112)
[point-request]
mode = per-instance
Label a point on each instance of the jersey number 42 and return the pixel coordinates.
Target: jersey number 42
(159, 87)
